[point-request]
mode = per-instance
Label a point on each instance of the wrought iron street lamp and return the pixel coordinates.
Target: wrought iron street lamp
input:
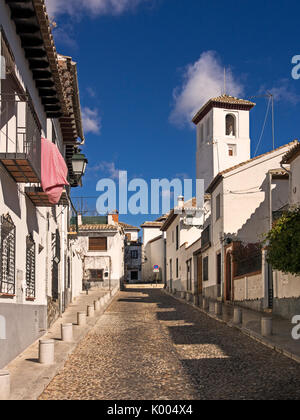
(79, 162)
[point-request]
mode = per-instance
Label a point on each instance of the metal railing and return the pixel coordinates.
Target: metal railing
(20, 130)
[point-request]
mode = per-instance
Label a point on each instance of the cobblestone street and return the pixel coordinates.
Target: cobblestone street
(151, 346)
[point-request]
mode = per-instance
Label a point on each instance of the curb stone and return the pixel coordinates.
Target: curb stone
(257, 337)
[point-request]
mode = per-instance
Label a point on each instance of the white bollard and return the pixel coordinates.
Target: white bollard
(187, 297)
(266, 327)
(238, 316)
(81, 319)
(102, 302)
(218, 308)
(182, 294)
(4, 385)
(97, 305)
(90, 311)
(67, 333)
(205, 304)
(46, 352)
(212, 307)
(196, 300)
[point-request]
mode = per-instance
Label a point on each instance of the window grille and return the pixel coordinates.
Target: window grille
(30, 268)
(8, 249)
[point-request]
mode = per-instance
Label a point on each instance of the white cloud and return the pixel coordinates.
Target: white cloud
(91, 7)
(91, 120)
(282, 91)
(202, 81)
(107, 168)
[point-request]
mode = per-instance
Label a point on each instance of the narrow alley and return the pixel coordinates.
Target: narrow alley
(150, 346)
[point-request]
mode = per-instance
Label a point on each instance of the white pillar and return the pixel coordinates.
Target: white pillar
(4, 385)
(67, 332)
(90, 311)
(237, 316)
(81, 319)
(46, 352)
(266, 327)
(212, 307)
(205, 304)
(218, 308)
(97, 305)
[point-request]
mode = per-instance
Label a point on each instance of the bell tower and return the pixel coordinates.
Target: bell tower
(223, 135)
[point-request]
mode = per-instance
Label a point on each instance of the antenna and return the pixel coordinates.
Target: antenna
(270, 96)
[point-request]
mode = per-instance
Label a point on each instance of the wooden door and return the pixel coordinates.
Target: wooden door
(199, 274)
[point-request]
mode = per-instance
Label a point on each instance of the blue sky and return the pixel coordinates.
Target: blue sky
(144, 65)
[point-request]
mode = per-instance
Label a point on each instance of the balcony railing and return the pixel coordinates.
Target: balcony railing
(205, 237)
(20, 139)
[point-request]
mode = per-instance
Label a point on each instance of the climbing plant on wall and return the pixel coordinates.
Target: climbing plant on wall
(284, 243)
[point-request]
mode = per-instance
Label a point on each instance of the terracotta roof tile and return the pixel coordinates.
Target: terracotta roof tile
(126, 226)
(225, 100)
(240, 165)
(291, 154)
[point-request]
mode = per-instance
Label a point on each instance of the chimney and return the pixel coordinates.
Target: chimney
(113, 218)
(180, 201)
(79, 218)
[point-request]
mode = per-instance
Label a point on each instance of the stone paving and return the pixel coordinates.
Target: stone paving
(150, 346)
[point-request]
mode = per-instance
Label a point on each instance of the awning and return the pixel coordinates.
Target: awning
(54, 171)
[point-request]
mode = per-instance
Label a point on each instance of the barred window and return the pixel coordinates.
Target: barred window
(7, 255)
(30, 268)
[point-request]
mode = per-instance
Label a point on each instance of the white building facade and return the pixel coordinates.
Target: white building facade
(37, 260)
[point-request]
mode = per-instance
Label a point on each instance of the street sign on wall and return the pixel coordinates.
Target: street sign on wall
(156, 269)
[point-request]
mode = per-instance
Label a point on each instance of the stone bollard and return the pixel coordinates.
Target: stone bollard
(196, 300)
(187, 297)
(238, 316)
(46, 352)
(102, 302)
(266, 327)
(182, 295)
(97, 305)
(81, 319)
(211, 307)
(205, 304)
(4, 385)
(67, 332)
(218, 308)
(90, 311)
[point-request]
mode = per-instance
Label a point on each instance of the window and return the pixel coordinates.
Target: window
(230, 125)
(231, 150)
(134, 255)
(171, 270)
(134, 275)
(177, 237)
(8, 246)
(218, 207)
(98, 244)
(128, 237)
(96, 275)
(173, 236)
(205, 269)
(177, 268)
(30, 267)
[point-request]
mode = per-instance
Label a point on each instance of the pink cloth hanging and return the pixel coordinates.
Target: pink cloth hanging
(54, 171)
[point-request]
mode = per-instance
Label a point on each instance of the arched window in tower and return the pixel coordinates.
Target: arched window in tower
(230, 125)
